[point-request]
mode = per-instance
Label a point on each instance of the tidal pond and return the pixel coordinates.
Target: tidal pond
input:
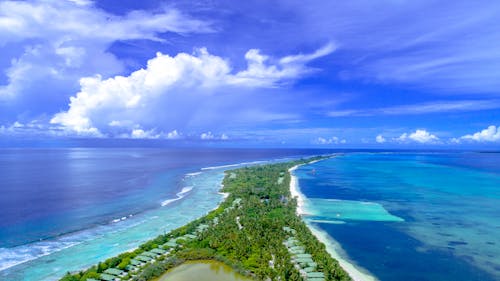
(205, 270)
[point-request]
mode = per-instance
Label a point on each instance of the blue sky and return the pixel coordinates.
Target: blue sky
(327, 74)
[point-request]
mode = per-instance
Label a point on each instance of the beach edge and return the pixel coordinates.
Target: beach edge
(332, 246)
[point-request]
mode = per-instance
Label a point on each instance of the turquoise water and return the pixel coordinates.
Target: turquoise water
(410, 216)
(335, 210)
(89, 247)
(64, 209)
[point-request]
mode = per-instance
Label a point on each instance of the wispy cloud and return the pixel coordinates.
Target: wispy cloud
(412, 43)
(260, 73)
(210, 136)
(422, 108)
(331, 140)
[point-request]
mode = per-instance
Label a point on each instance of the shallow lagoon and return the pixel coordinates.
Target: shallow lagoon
(448, 205)
(203, 271)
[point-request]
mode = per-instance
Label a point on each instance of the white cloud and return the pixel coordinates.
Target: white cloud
(420, 136)
(304, 58)
(260, 73)
(380, 139)
(211, 136)
(207, 136)
(62, 41)
(490, 134)
(332, 140)
(138, 133)
(173, 135)
(82, 2)
(39, 19)
(141, 134)
(167, 92)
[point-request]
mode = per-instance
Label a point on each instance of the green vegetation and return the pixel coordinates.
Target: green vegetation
(255, 231)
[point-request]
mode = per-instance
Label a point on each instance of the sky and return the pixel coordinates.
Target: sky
(332, 74)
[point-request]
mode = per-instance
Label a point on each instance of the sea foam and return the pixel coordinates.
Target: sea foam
(185, 190)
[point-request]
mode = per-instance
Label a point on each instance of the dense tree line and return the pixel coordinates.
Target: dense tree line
(247, 236)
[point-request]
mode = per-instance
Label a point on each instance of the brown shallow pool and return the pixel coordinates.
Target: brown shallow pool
(202, 271)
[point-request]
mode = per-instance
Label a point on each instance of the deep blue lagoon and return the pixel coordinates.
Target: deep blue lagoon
(410, 216)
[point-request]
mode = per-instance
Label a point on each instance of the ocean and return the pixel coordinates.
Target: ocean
(66, 209)
(409, 216)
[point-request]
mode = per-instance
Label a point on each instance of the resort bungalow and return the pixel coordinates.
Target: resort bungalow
(158, 251)
(291, 242)
(236, 202)
(130, 268)
(289, 230)
(315, 275)
(304, 262)
(215, 221)
(170, 244)
(312, 264)
(303, 256)
(149, 254)
(189, 236)
(107, 277)
(297, 250)
(201, 228)
(135, 262)
(280, 180)
(114, 271)
(309, 269)
(143, 258)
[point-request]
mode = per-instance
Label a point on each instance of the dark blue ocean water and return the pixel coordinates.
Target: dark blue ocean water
(449, 204)
(52, 199)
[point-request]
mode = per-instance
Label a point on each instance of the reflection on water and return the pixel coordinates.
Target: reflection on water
(203, 271)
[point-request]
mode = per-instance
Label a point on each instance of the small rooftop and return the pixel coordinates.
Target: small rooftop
(190, 236)
(143, 258)
(303, 256)
(170, 243)
(158, 251)
(149, 254)
(113, 271)
(107, 277)
(135, 262)
(315, 275)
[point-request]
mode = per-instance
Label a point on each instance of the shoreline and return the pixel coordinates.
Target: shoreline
(105, 232)
(233, 188)
(332, 246)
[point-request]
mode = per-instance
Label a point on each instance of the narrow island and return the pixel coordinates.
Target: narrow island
(256, 232)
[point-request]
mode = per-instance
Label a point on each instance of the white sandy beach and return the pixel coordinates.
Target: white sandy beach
(332, 246)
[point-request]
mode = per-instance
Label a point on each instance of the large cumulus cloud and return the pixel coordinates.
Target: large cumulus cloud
(185, 90)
